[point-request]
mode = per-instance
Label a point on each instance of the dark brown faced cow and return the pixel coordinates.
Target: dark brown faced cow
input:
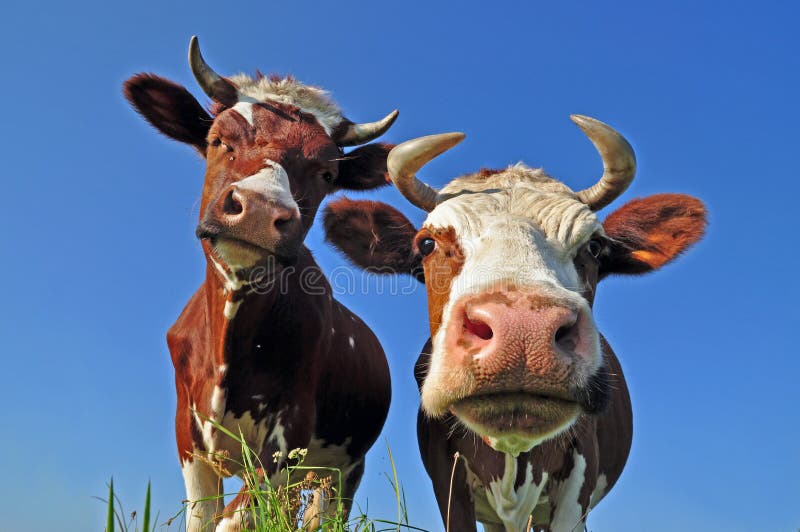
(510, 260)
(262, 348)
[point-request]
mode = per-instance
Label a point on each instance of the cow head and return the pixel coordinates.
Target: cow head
(273, 150)
(510, 261)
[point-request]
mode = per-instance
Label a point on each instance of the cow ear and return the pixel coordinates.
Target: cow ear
(648, 233)
(373, 235)
(170, 108)
(364, 167)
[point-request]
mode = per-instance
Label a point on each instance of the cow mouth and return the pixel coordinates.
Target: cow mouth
(251, 253)
(529, 415)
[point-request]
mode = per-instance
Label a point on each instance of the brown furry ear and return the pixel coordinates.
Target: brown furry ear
(648, 233)
(364, 167)
(373, 235)
(170, 108)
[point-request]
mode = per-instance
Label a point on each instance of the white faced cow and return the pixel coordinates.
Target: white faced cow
(262, 347)
(516, 378)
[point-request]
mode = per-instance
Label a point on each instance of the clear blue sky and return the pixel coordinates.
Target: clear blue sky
(99, 254)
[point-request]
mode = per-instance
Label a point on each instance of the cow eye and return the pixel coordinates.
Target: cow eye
(426, 246)
(327, 176)
(217, 142)
(595, 247)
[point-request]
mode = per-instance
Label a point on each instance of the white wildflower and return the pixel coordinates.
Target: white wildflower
(298, 453)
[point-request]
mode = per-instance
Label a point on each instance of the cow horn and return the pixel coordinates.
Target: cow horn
(619, 163)
(354, 134)
(215, 86)
(407, 158)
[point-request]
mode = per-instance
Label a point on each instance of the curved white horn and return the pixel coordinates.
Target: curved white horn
(352, 134)
(215, 86)
(407, 158)
(619, 162)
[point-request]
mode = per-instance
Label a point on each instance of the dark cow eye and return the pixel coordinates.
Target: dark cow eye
(217, 143)
(426, 246)
(595, 247)
(327, 176)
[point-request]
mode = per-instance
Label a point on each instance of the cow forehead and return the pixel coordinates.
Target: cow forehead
(275, 131)
(510, 204)
(279, 125)
(309, 99)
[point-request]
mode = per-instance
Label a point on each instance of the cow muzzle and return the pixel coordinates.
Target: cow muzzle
(529, 364)
(245, 227)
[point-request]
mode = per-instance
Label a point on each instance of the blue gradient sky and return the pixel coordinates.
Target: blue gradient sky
(100, 256)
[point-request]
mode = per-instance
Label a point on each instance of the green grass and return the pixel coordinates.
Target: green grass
(276, 508)
(116, 515)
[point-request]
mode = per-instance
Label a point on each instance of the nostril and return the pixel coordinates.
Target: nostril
(232, 206)
(282, 220)
(566, 337)
(478, 328)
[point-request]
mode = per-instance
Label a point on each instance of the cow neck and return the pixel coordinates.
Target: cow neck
(238, 318)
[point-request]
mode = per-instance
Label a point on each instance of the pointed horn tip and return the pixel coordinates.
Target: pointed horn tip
(194, 47)
(593, 127)
(195, 56)
(451, 139)
(587, 122)
(388, 120)
(433, 144)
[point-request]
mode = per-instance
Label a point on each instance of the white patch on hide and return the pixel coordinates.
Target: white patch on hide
(230, 309)
(229, 278)
(217, 408)
(231, 523)
(599, 490)
(322, 454)
(568, 514)
(513, 506)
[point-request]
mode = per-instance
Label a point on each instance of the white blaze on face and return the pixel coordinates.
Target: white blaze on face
(272, 182)
(518, 228)
(246, 110)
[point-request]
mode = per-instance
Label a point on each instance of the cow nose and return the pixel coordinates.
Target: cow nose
(241, 204)
(498, 336)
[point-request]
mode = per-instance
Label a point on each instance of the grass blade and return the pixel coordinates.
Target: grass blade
(110, 518)
(396, 486)
(146, 516)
